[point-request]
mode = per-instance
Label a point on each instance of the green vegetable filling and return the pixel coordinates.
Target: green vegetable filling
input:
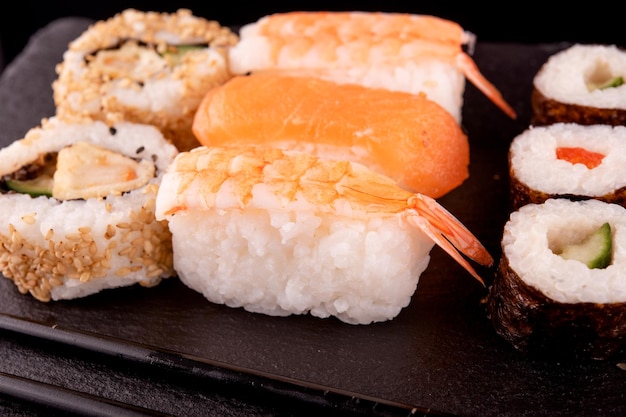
(39, 186)
(35, 179)
(595, 251)
(615, 82)
(610, 83)
(174, 53)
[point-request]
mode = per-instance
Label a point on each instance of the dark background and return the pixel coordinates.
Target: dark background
(507, 21)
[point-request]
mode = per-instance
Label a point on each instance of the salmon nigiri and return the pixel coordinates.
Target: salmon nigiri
(282, 232)
(407, 137)
(399, 51)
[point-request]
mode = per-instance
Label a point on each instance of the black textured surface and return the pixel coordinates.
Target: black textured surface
(166, 349)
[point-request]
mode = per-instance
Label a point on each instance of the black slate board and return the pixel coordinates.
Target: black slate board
(439, 356)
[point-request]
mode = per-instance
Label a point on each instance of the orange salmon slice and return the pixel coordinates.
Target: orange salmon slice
(405, 136)
(577, 155)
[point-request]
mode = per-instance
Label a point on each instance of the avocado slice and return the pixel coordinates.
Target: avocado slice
(595, 251)
(42, 185)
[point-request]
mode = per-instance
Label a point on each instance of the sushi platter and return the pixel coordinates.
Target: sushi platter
(439, 356)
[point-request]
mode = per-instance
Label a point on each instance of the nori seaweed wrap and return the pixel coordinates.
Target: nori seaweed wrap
(568, 160)
(581, 84)
(554, 306)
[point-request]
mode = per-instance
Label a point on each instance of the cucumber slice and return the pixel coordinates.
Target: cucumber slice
(615, 82)
(610, 83)
(595, 251)
(41, 185)
(174, 54)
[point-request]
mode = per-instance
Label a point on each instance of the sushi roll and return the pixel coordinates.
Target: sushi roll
(568, 160)
(144, 67)
(280, 233)
(77, 208)
(559, 289)
(581, 84)
(397, 51)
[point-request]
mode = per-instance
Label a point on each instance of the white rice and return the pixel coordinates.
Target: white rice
(534, 162)
(285, 233)
(282, 263)
(565, 75)
(536, 231)
(68, 249)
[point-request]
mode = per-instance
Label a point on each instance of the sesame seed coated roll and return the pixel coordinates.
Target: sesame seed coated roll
(144, 67)
(77, 209)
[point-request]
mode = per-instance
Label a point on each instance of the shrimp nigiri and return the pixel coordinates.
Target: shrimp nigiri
(404, 136)
(399, 51)
(280, 232)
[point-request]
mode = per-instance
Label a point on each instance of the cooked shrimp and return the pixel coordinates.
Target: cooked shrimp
(267, 178)
(408, 137)
(390, 44)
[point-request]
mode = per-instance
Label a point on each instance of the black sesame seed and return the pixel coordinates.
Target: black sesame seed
(112, 130)
(140, 149)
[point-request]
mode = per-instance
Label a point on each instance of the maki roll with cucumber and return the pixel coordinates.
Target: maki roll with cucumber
(77, 208)
(581, 84)
(144, 67)
(568, 160)
(559, 290)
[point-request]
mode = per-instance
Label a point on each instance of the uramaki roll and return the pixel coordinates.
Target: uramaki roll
(547, 305)
(144, 67)
(582, 84)
(567, 160)
(77, 208)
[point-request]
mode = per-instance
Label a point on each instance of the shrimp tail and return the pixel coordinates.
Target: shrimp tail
(447, 232)
(471, 71)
